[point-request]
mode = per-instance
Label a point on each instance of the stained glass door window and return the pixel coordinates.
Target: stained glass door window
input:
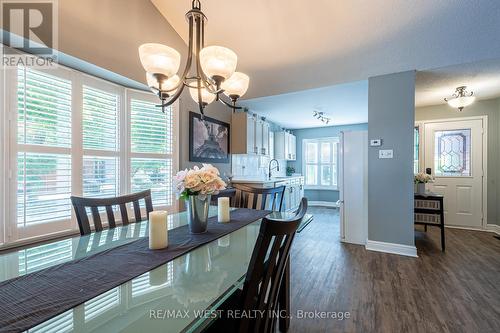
(452, 153)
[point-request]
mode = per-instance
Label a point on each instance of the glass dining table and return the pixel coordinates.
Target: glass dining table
(182, 295)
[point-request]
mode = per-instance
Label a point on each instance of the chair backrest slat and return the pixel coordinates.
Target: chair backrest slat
(250, 197)
(124, 213)
(82, 219)
(266, 269)
(137, 211)
(97, 218)
(80, 205)
(111, 216)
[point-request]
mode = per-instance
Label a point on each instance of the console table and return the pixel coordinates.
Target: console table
(429, 210)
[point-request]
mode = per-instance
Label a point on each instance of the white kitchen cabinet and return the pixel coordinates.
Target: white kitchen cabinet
(265, 139)
(258, 137)
(293, 147)
(249, 135)
(271, 144)
(285, 146)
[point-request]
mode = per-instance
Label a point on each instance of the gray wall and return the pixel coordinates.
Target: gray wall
(214, 110)
(391, 117)
(490, 108)
(315, 133)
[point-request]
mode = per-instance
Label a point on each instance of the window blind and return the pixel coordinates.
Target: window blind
(44, 109)
(151, 145)
(100, 119)
(320, 162)
(44, 119)
(44, 188)
(151, 130)
(100, 174)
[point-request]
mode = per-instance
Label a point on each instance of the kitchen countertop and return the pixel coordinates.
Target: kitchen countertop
(260, 180)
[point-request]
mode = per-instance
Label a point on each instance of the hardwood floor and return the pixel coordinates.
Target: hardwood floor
(456, 291)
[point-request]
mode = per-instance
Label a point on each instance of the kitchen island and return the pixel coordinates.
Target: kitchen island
(294, 188)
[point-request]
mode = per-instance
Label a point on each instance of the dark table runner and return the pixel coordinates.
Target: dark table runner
(31, 299)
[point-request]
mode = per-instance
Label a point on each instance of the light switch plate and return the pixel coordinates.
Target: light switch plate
(385, 153)
(376, 142)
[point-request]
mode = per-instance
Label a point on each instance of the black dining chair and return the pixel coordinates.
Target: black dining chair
(80, 205)
(263, 280)
(259, 198)
(227, 193)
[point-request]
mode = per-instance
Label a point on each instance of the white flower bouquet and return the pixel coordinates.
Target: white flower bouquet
(198, 182)
(423, 178)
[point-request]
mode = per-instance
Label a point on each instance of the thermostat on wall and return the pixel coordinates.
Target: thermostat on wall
(376, 142)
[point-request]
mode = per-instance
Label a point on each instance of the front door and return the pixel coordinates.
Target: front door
(453, 151)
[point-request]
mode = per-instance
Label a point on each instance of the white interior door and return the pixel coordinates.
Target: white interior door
(454, 152)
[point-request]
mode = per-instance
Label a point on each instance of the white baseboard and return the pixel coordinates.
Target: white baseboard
(323, 204)
(403, 250)
(493, 228)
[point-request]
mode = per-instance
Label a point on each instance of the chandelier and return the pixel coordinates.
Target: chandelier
(461, 98)
(213, 78)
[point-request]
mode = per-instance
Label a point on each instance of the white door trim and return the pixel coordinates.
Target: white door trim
(484, 119)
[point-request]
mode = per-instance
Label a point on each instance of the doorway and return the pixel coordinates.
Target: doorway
(454, 152)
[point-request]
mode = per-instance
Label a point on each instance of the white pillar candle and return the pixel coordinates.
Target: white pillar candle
(223, 210)
(158, 233)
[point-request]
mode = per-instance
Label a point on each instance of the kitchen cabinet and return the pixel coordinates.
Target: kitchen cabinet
(294, 189)
(285, 146)
(249, 135)
(265, 139)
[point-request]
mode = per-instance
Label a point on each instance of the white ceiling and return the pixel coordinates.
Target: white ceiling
(292, 45)
(483, 78)
(343, 103)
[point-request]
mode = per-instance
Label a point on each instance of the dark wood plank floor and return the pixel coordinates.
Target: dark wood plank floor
(456, 291)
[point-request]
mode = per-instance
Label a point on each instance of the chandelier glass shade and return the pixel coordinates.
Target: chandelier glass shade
(209, 72)
(461, 98)
(158, 58)
(236, 85)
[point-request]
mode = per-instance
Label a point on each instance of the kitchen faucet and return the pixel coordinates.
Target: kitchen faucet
(277, 167)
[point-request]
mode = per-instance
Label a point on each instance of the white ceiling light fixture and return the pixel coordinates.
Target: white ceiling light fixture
(214, 72)
(321, 116)
(461, 98)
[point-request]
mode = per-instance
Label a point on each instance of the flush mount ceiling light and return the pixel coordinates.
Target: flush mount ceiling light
(213, 74)
(461, 98)
(321, 116)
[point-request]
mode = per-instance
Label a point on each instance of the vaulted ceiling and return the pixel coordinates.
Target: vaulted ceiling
(292, 45)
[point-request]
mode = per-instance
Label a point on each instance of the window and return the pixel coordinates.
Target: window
(101, 144)
(320, 162)
(452, 153)
(78, 135)
(151, 151)
(43, 147)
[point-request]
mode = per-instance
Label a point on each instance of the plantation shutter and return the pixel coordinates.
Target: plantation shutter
(100, 174)
(44, 141)
(151, 143)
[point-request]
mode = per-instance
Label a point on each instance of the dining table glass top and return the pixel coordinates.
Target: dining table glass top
(178, 296)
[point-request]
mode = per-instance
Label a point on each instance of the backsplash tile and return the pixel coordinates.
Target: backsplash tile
(254, 166)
